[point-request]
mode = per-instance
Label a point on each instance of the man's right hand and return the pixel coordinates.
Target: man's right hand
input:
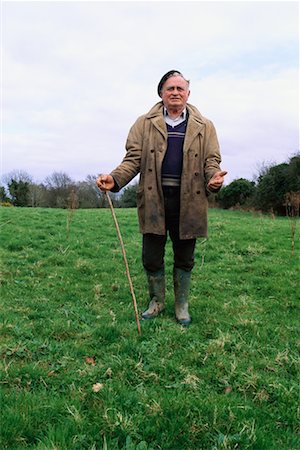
(105, 182)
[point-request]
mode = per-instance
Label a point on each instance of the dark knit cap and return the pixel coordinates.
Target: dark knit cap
(164, 79)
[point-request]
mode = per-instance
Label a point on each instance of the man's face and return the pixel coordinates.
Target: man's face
(175, 93)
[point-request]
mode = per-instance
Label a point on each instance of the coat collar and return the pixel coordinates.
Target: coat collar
(157, 118)
(194, 127)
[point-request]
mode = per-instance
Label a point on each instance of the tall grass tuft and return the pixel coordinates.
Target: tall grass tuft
(292, 204)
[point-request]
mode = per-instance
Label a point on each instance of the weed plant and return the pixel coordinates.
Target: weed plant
(75, 374)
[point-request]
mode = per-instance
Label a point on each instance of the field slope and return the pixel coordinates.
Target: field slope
(76, 375)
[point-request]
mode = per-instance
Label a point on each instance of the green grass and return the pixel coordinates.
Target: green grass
(229, 381)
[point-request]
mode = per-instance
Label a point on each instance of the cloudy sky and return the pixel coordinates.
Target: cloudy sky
(76, 75)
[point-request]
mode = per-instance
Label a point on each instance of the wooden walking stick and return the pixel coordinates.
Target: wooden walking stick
(125, 260)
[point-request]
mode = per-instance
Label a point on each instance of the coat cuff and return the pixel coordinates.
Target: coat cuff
(212, 191)
(116, 187)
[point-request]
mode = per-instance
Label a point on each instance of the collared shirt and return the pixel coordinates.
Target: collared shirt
(177, 120)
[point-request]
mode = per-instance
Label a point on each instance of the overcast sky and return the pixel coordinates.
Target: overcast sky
(76, 75)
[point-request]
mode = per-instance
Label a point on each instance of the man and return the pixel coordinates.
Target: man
(175, 149)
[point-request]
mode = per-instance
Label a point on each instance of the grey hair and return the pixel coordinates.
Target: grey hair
(177, 74)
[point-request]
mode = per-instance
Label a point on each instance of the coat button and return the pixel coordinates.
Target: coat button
(152, 151)
(150, 170)
(196, 174)
(198, 192)
(149, 188)
(196, 154)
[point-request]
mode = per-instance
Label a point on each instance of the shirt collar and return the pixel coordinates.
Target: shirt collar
(182, 115)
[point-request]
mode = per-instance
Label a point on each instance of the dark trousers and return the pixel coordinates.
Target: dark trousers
(154, 245)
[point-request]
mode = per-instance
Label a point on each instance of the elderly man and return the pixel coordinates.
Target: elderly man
(175, 149)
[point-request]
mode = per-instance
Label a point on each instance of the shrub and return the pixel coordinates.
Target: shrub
(275, 183)
(236, 193)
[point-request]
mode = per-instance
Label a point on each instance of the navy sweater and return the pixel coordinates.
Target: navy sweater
(172, 163)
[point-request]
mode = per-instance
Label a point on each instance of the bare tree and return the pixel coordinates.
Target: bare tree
(18, 175)
(59, 186)
(88, 193)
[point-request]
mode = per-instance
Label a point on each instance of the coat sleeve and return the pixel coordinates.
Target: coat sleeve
(212, 154)
(131, 163)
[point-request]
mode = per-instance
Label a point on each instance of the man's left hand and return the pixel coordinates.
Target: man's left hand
(216, 180)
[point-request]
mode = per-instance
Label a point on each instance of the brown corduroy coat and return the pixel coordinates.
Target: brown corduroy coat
(145, 150)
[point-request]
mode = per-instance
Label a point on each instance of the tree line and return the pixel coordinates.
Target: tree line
(58, 190)
(273, 188)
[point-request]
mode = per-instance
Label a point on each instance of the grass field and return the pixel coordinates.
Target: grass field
(76, 375)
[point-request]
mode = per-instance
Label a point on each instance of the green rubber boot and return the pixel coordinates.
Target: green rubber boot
(156, 284)
(182, 280)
